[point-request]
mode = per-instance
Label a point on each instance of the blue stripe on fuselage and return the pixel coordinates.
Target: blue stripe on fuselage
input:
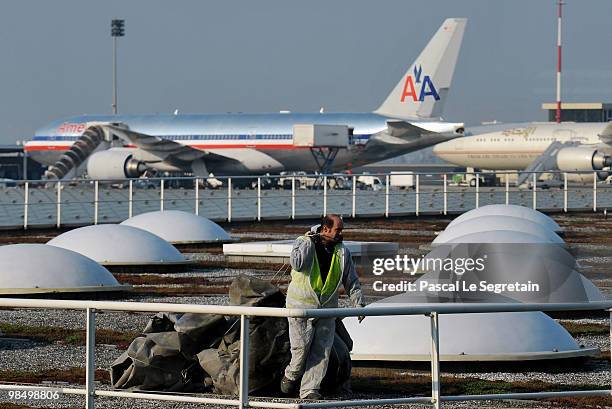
(352, 140)
(221, 124)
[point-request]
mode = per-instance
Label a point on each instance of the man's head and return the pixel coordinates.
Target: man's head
(331, 229)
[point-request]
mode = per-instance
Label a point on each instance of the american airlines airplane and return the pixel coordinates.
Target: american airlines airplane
(534, 147)
(119, 146)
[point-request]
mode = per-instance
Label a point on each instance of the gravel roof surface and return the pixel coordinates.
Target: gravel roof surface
(31, 356)
(67, 401)
(19, 355)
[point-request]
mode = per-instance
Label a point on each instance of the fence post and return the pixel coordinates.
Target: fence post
(96, 200)
(565, 192)
(58, 215)
(229, 200)
(445, 194)
(197, 197)
(258, 199)
(161, 195)
(507, 189)
(90, 358)
(292, 197)
(131, 199)
(26, 202)
(477, 190)
(417, 195)
(244, 361)
(354, 204)
(435, 359)
(325, 195)
(387, 196)
(594, 191)
(535, 191)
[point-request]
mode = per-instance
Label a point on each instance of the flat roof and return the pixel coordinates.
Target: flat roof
(578, 105)
(11, 149)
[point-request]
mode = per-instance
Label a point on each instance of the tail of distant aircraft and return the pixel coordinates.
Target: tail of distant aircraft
(422, 91)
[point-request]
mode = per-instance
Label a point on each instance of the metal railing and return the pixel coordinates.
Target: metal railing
(83, 201)
(244, 400)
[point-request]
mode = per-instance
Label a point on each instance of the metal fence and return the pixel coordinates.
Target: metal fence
(29, 204)
(244, 400)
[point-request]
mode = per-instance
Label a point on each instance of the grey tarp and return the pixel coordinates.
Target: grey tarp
(166, 358)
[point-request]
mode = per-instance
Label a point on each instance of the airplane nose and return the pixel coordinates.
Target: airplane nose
(440, 149)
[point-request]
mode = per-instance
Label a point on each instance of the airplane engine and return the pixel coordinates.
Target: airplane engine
(582, 159)
(586, 178)
(114, 164)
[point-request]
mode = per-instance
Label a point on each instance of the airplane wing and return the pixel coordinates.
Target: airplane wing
(157, 150)
(161, 149)
(399, 132)
(405, 130)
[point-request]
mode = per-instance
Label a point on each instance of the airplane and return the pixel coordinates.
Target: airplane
(120, 146)
(534, 147)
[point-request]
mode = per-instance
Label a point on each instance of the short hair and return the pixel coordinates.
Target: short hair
(328, 220)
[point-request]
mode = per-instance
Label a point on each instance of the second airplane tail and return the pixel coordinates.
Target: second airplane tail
(422, 91)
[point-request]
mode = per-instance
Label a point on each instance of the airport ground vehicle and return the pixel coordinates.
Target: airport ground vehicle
(402, 180)
(484, 179)
(369, 182)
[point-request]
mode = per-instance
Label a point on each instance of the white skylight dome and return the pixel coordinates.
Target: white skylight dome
(496, 223)
(179, 227)
(511, 336)
(113, 244)
(499, 236)
(40, 269)
(551, 268)
(509, 210)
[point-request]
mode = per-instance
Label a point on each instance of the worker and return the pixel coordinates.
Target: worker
(320, 264)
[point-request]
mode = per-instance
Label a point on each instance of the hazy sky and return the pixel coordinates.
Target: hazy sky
(268, 55)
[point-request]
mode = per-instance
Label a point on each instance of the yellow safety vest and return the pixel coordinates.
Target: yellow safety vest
(333, 276)
(307, 289)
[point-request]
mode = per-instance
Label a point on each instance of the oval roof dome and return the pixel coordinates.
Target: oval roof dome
(508, 336)
(509, 210)
(39, 268)
(179, 227)
(499, 236)
(498, 222)
(113, 244)
(550, 267)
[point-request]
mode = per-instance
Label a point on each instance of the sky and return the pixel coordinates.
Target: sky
(271, 55)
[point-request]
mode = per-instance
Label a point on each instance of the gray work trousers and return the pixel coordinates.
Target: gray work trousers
(311, 343)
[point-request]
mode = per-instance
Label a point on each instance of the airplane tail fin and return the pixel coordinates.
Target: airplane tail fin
(422, 91)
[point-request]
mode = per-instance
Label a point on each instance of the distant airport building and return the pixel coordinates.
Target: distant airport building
(580, 111)
(12, 164)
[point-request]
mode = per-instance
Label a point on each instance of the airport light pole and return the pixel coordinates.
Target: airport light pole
(117, 30)
(559, 18)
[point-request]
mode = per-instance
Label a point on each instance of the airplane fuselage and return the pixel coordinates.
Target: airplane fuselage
(237, 135)
(515, 147)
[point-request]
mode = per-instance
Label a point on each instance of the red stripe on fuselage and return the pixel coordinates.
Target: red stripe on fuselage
(47, 148)
(220, 146)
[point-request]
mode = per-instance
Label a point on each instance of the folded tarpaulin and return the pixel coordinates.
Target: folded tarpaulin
(201, 352)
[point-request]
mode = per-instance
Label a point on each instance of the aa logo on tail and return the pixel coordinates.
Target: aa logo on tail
(426, 86)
